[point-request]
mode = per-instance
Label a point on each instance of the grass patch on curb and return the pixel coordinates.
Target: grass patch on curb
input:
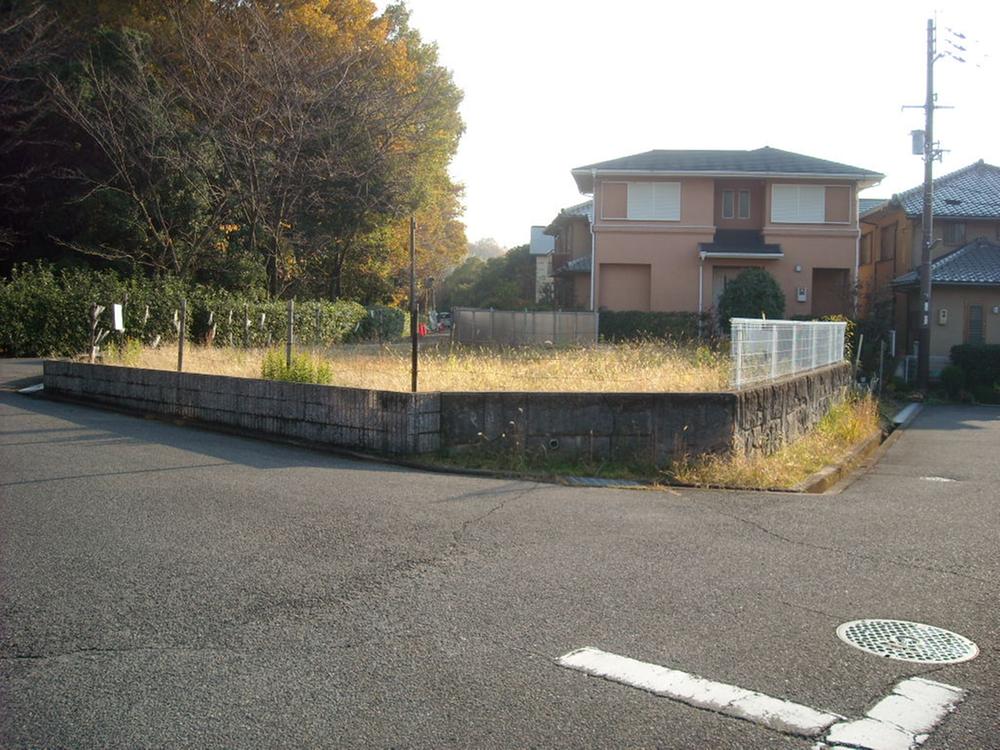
(842, 428)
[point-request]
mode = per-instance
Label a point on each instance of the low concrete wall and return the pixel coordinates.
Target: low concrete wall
(382, 421)
(649, 427)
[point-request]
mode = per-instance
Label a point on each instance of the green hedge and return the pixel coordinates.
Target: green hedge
(383, 323)
(633, 325)
(44, 311)
(981, 364)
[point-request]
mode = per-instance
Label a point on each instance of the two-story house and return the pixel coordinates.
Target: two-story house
(571, 255)
(966, 206)
(670, 229)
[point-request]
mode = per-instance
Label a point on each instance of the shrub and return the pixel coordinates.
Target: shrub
(981, 363)
(953, 380)
(304, 368)
(637, 325)
(382, 323)
(45, 311)
(752, 294)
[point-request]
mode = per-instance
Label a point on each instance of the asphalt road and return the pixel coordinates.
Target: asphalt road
(162, 586)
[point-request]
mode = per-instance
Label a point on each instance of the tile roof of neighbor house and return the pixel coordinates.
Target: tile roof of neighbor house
(585, 210)
(577, 265)
(972, 192)
(867, 205)
(761, 161)
(974, 264)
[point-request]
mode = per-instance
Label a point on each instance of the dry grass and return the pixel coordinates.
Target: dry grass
(846, 425)
(643, 367)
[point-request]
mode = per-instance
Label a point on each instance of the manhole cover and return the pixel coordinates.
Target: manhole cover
(908, 641)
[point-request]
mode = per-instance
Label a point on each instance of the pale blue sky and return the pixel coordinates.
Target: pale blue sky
(555, 84)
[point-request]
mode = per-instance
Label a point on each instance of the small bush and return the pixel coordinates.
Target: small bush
(752, 294)
(953, 380)
(981, 363)
(127, 352)
(304, 368)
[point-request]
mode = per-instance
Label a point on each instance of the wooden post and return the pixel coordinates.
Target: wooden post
(181, 328)
(289, 340)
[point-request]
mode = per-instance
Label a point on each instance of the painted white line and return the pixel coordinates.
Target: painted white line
(33, 388)
(774, 713)
(903, 719)
(937, 479)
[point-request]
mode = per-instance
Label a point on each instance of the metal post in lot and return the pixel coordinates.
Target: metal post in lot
(291, 334)
(181, 328)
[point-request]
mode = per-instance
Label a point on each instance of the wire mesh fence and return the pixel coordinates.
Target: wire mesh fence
(764, 350)
(520, 328)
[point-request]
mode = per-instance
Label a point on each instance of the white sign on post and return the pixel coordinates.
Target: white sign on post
(117, 317)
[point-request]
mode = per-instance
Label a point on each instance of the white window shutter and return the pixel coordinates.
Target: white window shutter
(812, 204)
(784, 203)
(667, 200)
(640, 200)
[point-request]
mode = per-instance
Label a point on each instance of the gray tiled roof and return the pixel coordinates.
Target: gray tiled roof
(977, 263)
(758, 161)
(867, 205)
(970, 192)
(585, 210)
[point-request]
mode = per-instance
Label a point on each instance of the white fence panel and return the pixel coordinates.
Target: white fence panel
(764, 350)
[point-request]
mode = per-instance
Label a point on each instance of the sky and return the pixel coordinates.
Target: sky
(555, 84)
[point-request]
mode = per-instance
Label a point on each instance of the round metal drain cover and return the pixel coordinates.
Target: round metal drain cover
(908, 641)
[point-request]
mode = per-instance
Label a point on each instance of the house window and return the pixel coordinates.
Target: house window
(735, 204)
(974, 332)
(798, 204)
(954, 232)
(656, 201)
(887, 243)
(866, 249)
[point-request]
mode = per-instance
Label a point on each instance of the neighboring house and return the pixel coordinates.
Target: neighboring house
(966, 205)
(571, 258)
(672, 228)
(541, 249)
(965, 298)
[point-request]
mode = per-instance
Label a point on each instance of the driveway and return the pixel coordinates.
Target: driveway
(163, 586)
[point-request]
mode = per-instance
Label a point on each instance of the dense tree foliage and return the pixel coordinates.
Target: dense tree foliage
(506, 282)
(753, 294)
(278, 145)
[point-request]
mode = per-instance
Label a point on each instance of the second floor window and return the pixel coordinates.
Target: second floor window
(954, 232)
(654, 201)
(798, 204)
(887, 243)
(735, 204)
(866, 249)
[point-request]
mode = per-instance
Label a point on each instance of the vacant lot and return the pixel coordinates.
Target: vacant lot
(640, 367)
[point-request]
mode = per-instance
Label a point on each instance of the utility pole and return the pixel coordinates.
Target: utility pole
(930, 153)
(927, 222)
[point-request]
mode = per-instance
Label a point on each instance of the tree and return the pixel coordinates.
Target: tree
(506, 283)
(486, 248)
(752, 294)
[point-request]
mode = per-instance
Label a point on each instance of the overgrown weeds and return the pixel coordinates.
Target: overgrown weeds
(304, 368)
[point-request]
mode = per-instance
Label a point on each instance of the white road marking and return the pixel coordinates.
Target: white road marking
(774, 713)
(33, 388)
(902, 720)
(937, 479)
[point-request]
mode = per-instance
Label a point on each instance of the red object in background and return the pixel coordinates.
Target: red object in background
(421, 329)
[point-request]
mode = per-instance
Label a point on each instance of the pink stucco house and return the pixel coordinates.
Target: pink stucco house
(669, 229)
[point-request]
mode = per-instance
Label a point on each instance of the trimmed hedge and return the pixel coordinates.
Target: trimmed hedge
(981, 364)
(44, 311)
(633, 325)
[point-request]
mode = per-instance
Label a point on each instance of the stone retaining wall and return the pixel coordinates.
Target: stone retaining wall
(648, 427)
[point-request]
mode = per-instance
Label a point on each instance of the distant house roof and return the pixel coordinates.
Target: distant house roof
(975, 264)
(867, 205)
(541, 243)
(583, 210)
(972, 192)
(759, 162)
